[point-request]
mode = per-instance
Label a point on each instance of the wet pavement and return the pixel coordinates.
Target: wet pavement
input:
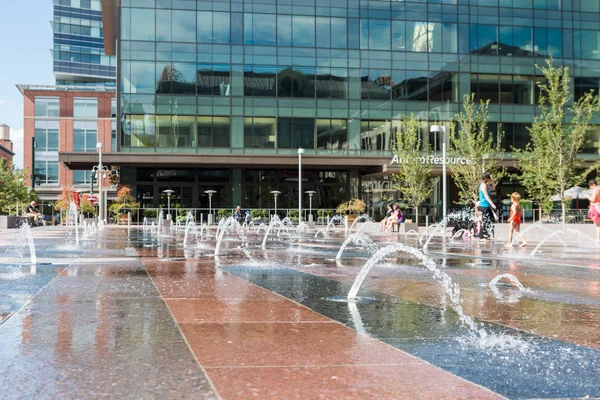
(130, 313)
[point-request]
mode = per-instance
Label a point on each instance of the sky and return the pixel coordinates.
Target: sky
(25, 58)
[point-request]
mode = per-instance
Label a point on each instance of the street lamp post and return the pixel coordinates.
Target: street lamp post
(310, 194)
(210, 194)
(33, 147)
(169, 192)
(275, 193)
(300, 152)
(100, 172)
(442, 129)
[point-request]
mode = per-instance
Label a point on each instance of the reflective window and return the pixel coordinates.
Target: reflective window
(46, 135)
(260, 80)
(139, 131)
(138, 77)
(214, 132)
(296, 82)
(303, 31)
(81, 177)
(376, 135)
(584, 85)
(85, 108)
(259, 133)
(410, 85)
(85, 136)
(376, 84)
(213, 27)
(176, 131)
(331, 83)
(214, 79)
(293, 133)
(332, 134)
(142, 25)
(484, 39)
(46, 172)
(184, 26)
(46, 107)
(260, 29)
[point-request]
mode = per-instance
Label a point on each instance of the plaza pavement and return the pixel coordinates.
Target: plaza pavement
(159, 323)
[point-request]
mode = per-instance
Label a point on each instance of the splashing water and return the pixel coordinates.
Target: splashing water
(232, 224)
(26, 238)
(322, 232)
(72, 226)
(511, 278)
(275, 221)
(188, 227)
(356, 238)
(550, 236)
(452, 289)
(145, 223)
(361, 218)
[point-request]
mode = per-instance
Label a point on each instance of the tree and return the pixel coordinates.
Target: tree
(413, 180)
(12, 188)
(481, 149)
(557, 136)
(123, 201)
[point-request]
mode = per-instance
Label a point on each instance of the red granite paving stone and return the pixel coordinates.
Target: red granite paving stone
(287, 344)
(277, 309)
(344, 382)
(158, 267)
(219, 286)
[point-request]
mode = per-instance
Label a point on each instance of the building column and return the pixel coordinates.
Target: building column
(236, 187)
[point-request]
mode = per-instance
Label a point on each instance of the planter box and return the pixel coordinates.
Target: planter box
(8, 222)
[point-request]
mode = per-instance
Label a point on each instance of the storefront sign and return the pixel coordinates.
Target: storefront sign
(435, 160)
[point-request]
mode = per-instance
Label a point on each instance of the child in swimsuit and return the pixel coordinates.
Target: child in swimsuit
(515, 219)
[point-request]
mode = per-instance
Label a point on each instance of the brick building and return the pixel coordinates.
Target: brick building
(65, 119)
(6, 145)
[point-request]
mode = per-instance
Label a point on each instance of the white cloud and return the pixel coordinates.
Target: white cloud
(16, 135)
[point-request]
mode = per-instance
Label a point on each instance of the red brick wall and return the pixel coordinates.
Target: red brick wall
(65, 125)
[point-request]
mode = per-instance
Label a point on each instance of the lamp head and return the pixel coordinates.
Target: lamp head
(300, 151)
(99, 145)
(437, 128)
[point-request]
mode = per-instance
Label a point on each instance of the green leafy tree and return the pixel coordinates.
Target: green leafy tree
(473, 141)
(13, 190)
(413, 179)
(550, 162)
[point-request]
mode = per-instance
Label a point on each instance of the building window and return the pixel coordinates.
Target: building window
(85, 108)
(259, 133)
(47, 106)
(85, 136)
(46, 135)
(113, 136)
(113, 108)
(81, 177)
(293, 133)
(46, 172)
(332, 134)
(214, 131)
(584, 85)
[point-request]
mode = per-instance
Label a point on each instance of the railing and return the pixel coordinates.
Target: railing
(319, 216)
(201, 215)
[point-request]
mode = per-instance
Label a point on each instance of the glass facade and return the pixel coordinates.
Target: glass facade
(78, 52)
(333, 76)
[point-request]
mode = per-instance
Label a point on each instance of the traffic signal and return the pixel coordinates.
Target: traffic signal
(93, 180)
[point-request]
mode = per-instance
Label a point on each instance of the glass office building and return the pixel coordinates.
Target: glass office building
(221, 94)
(79, 58)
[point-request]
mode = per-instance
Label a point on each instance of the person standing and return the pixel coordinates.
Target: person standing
(514, 219)
(594, 212)
(486, 205)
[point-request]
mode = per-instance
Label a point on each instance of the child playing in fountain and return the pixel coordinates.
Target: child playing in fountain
(478, 220)
(515, 219)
